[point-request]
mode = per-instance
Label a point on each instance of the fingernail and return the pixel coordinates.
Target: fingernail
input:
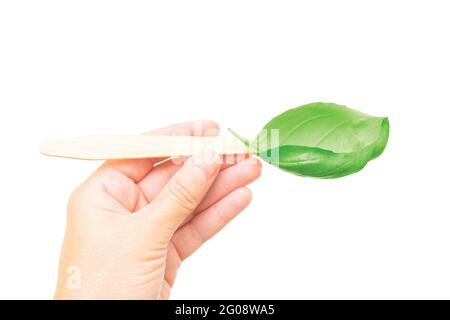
(208, 161)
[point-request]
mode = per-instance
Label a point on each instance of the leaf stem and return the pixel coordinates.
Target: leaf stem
(244, 141)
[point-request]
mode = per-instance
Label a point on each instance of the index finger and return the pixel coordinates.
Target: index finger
(137, 169)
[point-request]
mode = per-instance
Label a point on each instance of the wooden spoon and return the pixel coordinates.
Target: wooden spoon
(104, 147)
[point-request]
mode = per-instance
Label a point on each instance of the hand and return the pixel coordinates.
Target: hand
(132, 223)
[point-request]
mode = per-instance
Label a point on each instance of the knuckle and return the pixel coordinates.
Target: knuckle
(219, 215)
(182, 194)
(196, 236)
(75, 197)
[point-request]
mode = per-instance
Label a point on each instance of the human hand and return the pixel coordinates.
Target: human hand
(132, 223)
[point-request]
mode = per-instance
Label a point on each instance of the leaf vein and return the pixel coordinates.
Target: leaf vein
(327, 134)
(305, 122)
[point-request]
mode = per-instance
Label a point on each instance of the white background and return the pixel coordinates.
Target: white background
(84, 67)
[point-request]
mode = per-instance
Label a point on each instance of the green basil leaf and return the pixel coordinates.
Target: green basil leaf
(323, 140)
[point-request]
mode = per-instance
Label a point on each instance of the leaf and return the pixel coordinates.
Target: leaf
(323, 140)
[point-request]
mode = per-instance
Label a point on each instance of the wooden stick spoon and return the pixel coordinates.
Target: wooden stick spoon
(104, 147)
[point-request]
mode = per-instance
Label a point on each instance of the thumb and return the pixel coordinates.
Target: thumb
(183, 193)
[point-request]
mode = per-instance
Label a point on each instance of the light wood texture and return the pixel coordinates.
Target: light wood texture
(103, 147)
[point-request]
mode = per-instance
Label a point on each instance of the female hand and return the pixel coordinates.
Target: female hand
(132, 223)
